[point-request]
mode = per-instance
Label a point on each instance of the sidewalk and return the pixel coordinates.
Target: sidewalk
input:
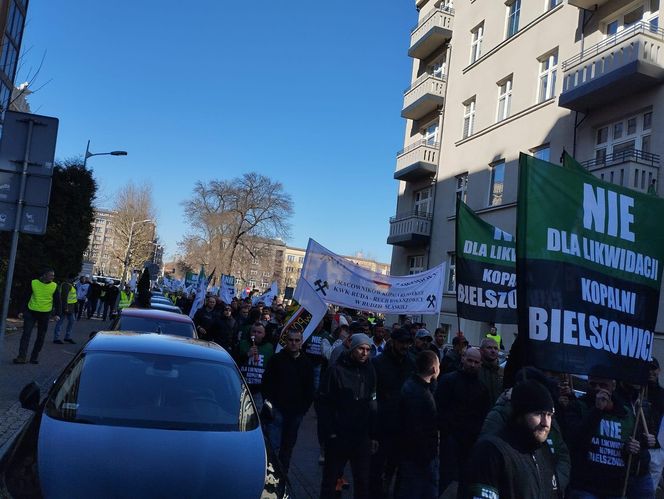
(52, 359)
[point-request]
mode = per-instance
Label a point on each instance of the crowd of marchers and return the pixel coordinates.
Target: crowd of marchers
(416, 417)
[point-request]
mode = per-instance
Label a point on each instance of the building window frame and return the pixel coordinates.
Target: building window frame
(450, 282)
(513, 14)
(423, 201)
(496, 183)
(476, 37)
(542, 152)
(632, 132)
(415, 264)
(461, 189)
(504, 98)
(469, 114)
(546, 81)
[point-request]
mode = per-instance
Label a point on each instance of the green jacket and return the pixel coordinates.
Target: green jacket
(492, 378)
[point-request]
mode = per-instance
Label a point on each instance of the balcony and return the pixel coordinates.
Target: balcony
(410, 229)
(425, 95)
(624, 64)
(431, 33)
(417, 161)
(631, 168)
(588, 4)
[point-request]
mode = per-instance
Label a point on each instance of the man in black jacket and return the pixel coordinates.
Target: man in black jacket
(288, 385)
(348, 417)
(393, 368)
(418, 466)
(463, 403)
(516, 463)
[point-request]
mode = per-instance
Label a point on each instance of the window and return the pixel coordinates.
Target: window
(618, 140)
(438, 67)
(547, 76)
(496, 183)
(423, 202)
(430, 134)
(415, 264)
(461, 186)
(289, 269)
(451, 273)
(252, 283)
(646, 12)
(513, 11)
(504, 99)
(477, 34)
(253, 272)
(290, 258)
(542, 152)
(469, 118)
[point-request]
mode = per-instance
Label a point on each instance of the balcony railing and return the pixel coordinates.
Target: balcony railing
(423, 96)
(410, 229)
(431, 32)
(634, 155)
(418, 160)
(624, 63)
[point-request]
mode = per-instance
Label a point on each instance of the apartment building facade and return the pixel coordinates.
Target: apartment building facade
(493, 79)
(12, 22)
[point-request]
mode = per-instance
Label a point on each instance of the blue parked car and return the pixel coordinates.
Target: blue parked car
(144, 415)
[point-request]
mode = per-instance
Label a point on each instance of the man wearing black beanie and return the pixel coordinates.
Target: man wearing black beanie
(515, 463)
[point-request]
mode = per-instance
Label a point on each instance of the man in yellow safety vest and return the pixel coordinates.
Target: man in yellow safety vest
(126, 297)
(493, 335)
(38, 311)
(64, 303)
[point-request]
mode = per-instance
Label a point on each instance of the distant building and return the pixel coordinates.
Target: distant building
(102, 239)
(103, 246)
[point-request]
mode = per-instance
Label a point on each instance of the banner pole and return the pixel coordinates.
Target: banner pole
(636, 428)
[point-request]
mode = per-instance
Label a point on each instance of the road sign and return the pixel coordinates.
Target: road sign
(37, 189)
(42, 144)
(33, 218)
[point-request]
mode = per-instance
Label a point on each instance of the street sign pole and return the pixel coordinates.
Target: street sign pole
(17, 228)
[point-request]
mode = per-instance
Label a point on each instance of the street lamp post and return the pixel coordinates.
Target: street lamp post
(131, 236)
(89, 154)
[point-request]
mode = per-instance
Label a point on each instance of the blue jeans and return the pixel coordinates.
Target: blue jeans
(70, 325)
(282, 433)
(637, 488)
(418, 481)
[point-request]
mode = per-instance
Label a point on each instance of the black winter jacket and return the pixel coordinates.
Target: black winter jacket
(463, 403)
(289, 383)
(347, 403)
(417, 418)
(510, 466)
(391, 372)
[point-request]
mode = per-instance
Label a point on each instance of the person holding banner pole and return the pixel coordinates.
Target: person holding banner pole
(655, 396)
(604, 439)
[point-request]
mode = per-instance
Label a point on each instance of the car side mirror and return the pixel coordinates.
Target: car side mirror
(30, 396)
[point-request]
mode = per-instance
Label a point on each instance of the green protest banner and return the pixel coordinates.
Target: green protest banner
(485, 269)
(588, 271)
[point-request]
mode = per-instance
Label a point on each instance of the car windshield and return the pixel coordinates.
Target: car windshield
(143, 324)
(152, 391)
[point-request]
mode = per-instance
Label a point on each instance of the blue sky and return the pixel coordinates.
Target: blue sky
(308, 93)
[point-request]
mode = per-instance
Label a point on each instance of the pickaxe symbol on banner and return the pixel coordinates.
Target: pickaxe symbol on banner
(432, 301)
(321, 286)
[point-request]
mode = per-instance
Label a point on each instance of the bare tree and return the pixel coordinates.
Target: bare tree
(134, 226)
(233, 221)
